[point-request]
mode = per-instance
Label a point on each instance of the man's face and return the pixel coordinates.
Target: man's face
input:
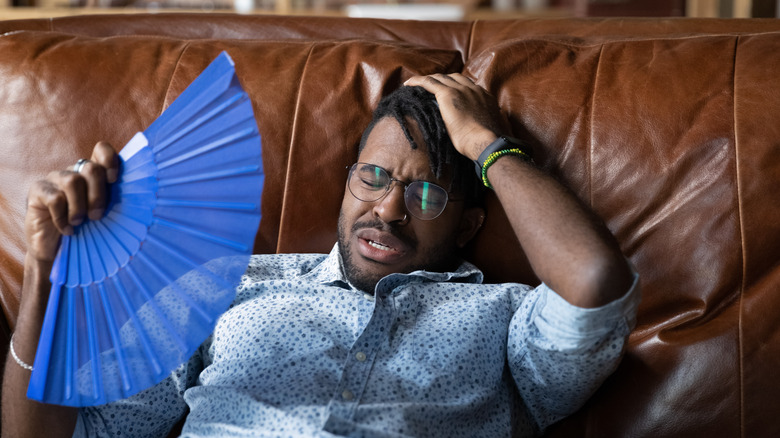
(380, 238)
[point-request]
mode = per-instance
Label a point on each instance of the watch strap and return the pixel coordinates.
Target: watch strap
(499, 144)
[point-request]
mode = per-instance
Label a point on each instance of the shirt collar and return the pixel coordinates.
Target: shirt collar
(330, 271)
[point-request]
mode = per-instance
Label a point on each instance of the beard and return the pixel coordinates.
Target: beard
(438, 258)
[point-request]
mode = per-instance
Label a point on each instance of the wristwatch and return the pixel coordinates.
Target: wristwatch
(501, 143)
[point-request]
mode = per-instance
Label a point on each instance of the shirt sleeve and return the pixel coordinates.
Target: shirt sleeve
(150, 413)
(559, 354)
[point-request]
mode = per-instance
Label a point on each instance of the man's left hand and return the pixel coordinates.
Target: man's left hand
(470, 113)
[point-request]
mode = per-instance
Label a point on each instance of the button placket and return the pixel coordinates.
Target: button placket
(360, 360)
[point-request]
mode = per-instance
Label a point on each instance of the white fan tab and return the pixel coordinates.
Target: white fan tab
(138, 142)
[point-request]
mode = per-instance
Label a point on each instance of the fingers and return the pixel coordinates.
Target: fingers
(102, 168)
(470, 113)
(104, 155)
(66, 198)
(69, 197)
(94, 178)
(48, 203)
(438, 81)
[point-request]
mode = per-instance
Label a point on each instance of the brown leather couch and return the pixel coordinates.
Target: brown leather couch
(668, 128)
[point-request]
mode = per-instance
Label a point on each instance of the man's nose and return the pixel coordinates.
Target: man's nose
(391, 207)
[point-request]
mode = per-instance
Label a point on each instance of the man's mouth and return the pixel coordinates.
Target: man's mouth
(381, 246)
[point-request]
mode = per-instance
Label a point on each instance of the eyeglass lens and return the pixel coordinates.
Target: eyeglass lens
(424, 200)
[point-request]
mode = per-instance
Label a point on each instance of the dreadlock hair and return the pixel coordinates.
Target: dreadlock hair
(421, 106)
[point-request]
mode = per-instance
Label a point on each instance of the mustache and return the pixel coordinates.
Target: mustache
(380, 225)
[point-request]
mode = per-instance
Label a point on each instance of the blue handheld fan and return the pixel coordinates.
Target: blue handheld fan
(135, 293)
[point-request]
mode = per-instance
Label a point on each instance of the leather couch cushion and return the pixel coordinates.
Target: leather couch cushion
(63, 93)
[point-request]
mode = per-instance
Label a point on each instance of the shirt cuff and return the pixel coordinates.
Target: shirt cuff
(578, 326)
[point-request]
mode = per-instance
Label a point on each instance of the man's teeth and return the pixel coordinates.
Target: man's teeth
(379, 246)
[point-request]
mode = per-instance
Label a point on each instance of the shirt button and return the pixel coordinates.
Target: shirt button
(347, 395)
(360, 356)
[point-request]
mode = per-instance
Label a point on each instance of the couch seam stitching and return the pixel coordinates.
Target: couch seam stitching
(173, 75)
(740, 361)
(590, 127)
(287, 176)
(469, 42)
(585, 42)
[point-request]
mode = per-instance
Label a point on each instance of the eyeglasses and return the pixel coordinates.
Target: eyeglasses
(424, 200)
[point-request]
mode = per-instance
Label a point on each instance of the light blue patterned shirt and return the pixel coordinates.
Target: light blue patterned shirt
(302, 354)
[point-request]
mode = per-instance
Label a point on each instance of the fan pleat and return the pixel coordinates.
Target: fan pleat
(209, 205)
(210, 175)
(182, 295)
(146, 344)
(195, 123)
(91, 331)
(209, 147)
(238, 246)
(171, 330)
(194, 267)
(72, 345)
(173, 124)
(113, 331)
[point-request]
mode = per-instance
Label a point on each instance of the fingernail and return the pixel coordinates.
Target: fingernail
(96, 214)
(112, 175)
(68, 230)
(77, 221)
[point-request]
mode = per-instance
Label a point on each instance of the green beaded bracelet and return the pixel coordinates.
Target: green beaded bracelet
(495, 156)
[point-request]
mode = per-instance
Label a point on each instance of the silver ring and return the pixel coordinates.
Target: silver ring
(79, 165)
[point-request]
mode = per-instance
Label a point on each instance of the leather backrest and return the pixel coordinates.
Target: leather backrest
(311, 100)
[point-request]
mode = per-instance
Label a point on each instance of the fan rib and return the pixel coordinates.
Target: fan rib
(106, 305)
(72, 344)
(97, 270)
(86, 274)
(194, 266)
(210, 175)
(89, 313)
(202, 235)
(213, 205)
(192, 100)
(208, 147)
(122, 227)
(113, 330)
(43, 356)
(190, 124)
(146, 344)
(106, 254)
(172, 284)
(148, 298)
(113, 244)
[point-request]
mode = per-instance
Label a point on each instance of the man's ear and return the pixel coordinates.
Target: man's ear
(470, 222)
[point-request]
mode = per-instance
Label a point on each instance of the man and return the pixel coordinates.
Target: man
(390, 334)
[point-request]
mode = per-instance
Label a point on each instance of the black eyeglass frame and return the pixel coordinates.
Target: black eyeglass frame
(406, 185)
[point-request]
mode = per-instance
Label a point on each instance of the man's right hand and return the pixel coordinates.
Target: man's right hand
(55, 206)
(65, 199)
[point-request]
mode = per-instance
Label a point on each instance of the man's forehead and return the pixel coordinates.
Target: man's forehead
(388, 147)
